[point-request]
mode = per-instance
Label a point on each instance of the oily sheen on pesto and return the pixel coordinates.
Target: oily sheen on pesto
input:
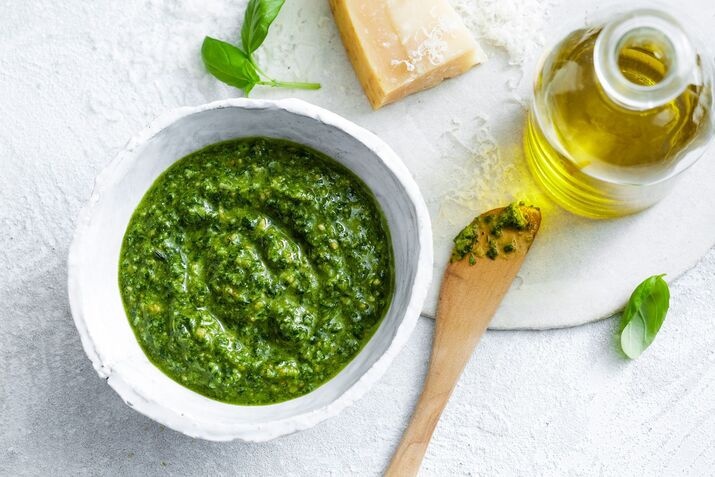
(254, 270)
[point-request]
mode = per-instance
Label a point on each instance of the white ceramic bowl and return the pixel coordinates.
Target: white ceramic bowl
(94, 295)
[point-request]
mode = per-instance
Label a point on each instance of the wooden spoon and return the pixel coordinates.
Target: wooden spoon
(487, 257)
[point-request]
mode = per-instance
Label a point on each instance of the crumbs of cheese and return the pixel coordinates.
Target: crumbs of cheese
(399, 47)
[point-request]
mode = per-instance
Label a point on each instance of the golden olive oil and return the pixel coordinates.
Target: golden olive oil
(612, 122)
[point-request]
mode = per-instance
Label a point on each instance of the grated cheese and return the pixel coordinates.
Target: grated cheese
(516, 26)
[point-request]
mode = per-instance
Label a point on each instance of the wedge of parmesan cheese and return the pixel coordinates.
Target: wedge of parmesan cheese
(399, 47)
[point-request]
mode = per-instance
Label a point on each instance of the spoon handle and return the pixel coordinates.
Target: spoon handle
(471, 291)
(459, 326)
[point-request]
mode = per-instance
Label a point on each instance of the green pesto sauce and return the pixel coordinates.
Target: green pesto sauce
(512, 217)
(254, 270)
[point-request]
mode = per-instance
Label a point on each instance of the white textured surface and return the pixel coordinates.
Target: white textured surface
(78, 78)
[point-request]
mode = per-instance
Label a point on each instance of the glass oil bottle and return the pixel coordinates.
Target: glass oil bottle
(619, 111)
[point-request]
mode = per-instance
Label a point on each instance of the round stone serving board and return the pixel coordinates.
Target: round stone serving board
(462, 142)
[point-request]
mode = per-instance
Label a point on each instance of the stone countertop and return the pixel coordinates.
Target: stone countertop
(77, 79)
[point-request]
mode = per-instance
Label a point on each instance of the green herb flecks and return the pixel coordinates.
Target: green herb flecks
(643, 316)
(491, 225)
(464, 241)
(492, 251)
(237, 66)
(511, 217)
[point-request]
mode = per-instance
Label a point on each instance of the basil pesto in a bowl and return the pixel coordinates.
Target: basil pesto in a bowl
(248, 268)
(255, 269)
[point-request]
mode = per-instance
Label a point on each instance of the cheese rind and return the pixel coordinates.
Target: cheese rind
(400, 47)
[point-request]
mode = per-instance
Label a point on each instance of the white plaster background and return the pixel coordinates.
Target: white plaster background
(78, 78)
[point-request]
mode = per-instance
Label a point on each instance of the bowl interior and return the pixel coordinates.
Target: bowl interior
(119, 190)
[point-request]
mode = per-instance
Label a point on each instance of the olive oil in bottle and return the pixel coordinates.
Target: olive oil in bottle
(619, 111)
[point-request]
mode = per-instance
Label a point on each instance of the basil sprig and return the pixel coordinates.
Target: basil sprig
(236, 66)
(644, 314)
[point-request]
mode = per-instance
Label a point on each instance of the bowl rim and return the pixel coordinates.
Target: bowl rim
(272, 429)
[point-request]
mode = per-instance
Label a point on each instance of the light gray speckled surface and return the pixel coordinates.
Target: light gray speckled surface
(77, 79)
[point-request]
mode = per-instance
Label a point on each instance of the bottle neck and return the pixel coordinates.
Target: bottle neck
(644, 59)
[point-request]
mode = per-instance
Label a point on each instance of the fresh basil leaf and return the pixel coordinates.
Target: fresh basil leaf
(258, 18)
(644, 314)
(229, 64)
(236, 66)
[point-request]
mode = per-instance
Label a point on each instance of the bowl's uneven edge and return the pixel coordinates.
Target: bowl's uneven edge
(303, 421)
